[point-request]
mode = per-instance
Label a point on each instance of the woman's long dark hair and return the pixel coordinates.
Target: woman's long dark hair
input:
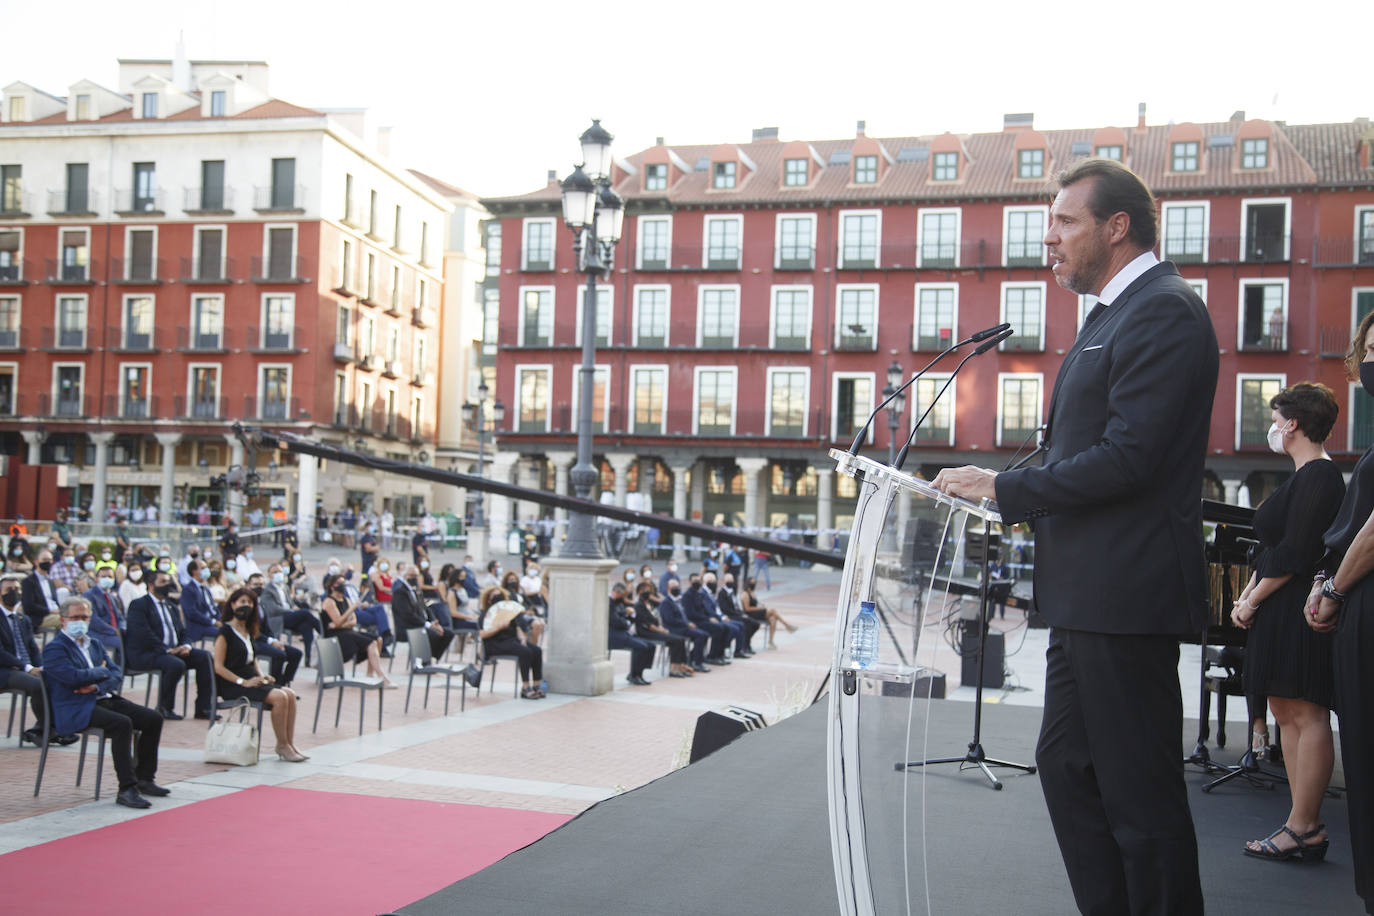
(227, 611)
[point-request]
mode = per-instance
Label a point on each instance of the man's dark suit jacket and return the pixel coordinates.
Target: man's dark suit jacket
(32, 599)
(65, 668)
(143, 641)
(9, 655)
(1117, 504)
(407, 609)
(100, 614)
(674, 617)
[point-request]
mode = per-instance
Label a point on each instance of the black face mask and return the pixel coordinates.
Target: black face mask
(162, 591)
(45, 565)
(9, 599)
(243, 612)
(675, 592)
(1367, 376)
(413, 583)
(255, 589)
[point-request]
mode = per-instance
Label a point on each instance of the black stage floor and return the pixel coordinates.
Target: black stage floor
(745, 831)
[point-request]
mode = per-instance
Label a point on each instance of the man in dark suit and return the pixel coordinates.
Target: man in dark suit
(20, 661)
(729, 606)
(197, 607)
(620, 635)
(157, 641)
(671, 612)
(40, 592)
(412, 612)
(282, 614)
(703, 616)
(284, 659)
(1118, 550)
(107, 611)
(735, 630)
(84, 685)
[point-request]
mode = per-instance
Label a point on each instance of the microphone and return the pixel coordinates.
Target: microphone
(1040, 447)
(975, 337)
(999, 336)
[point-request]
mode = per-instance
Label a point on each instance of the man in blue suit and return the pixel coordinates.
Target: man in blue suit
(675, 620)
(157, 641)
(701, 614)
(83, 685)
(107, 611)
(738, 631)
(202, 622)
(19, 659)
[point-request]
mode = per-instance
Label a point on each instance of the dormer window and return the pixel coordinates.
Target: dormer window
(944, 167)
(1030, 163)
(83, 107)
(794, 173)
(1183, 156)
(656, 177)
(218, 103)
(723, 175)
(1108, 152)
(865, 169)
(1254, 153)
(149, 103)
(19, 108)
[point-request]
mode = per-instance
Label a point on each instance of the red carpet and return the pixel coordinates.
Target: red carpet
(269, 850)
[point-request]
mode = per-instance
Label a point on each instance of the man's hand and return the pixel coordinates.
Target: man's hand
(972, 483)
(89, 688)
(181, 651)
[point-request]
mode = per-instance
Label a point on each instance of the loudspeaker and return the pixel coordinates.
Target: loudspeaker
(992, 669)
(719, 727)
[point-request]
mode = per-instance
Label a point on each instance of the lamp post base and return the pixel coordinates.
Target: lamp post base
(478, 545)
(575, 651)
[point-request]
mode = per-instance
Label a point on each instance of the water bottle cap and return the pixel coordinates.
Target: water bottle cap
(867, 605)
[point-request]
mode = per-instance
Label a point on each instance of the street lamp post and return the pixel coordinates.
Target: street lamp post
(595, 214)
(894, 413)
(473, 416)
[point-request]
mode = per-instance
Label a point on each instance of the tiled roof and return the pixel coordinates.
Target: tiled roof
(443, 187)
(273, 108)
(1304, 155)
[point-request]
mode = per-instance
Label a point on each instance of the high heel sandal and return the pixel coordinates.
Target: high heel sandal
(1304, 852)
(1259, 745)
(289, 754)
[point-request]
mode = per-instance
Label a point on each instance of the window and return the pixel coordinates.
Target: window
(493, 248)
(67, 382)
(655, 234)
(1264, 223)
(938, 428)
(859, 239)
(367, 336)
(392, 351)
(796, 242)
(1030, 163)
(795, 172)
(419, 362)
(212, 184)
(218, 105)
(1264, 314)
(140, 249)
(346, 271)
(1254, 153)
(656, 177)
(398, 221)
(149, 102)
(372, 207)
(209, 257)
(865, 169)
(605, 313)
(791, 318)
(75, 254)
(417, 417)
(722, 242)
(718, 316)
(9, 322)
(204, 394)
(787, 391)
(649, 386)
(1024, 238)
(279, 320)
(944, 167)
(138, 322)
(1364, 235)
(71, 322)
(857, 318)
(19, 109)
(1086, 301)
(1253, 413)
(536, 317)
(391, 412)
(133, 391)
(281, 252)
(275, 384)
(343, 325)
(715, 402)
(341, 404)
(424, 243)
(78, 188)
(350, 205)
(395, 304)
(7, 389)
(207, 322)
(936, 315)
(538, 251)
(1108, 152)
(939, 238)
(723, 175)
(1361, 424)
(1184, 156)
(283, 184)
(145, 187)
(1185, 232)
(370, 278)
(11, 189)
(601, 383)
(83, 107)
(1023, 307)
(853, 400)
(1018, 407)
(651, 316)
(11, 255)
(365, 405)
(491, 320)
(532, 399)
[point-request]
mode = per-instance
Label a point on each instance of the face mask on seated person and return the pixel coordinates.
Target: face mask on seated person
(76, 629)
(106, 583)
(162, 591)
(9, 599)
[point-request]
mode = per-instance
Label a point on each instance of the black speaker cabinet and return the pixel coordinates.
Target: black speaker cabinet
(992, 669)
(719, 727)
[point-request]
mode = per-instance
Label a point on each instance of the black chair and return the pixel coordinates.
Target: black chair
(85, 738)
(19, 700)
(422, 664)
(130, 673)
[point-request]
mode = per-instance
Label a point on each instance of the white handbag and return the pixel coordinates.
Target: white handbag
(233, 742)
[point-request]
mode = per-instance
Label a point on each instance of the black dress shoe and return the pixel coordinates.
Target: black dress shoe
(716, 661)
(169, 715)
(63, 740)
(206, 716)
(130, 798)
(700, 668)
(32, 736)
(637, 680)
(153, 789)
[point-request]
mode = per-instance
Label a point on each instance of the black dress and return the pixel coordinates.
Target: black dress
(352, 644)
(237, 660)
(1284, 657)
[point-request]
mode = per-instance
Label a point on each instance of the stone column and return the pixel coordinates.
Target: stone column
(825, 506)
(1232, 488)
(307, 486)
(751, 467)
(236, 457)
(499, 513)
(561, 461)
(620, 462)
(102, 465)
(698, 497)
(679, 507)
(35, 442)
(169, 442)
(576, 659)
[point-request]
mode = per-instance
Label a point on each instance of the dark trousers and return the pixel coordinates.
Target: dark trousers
(374, 615)
(751, 627)
(285, 660)
(438, 642)
(304, 624)
(530, 658)
(1354, 673)
(677, 645)
(32, 686)
(120, 719)
(641, 650)
(699, 639)
(173, 668)
(736, 632)
(718, 633)
(1111, 767)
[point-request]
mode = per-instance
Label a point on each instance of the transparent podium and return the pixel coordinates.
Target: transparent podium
(921, 574)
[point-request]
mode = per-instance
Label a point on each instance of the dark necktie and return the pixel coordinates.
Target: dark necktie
(1093, 315)
(114, 621)
(168, 630)
(20, 649)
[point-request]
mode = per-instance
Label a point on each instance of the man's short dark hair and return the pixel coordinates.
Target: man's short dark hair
(1312, 405)
(1116, 189)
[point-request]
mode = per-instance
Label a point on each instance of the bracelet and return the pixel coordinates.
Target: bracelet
(1329, 591)
(1250, 604)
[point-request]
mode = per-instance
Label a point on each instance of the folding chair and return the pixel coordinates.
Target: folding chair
(331, 676)
(422, 663)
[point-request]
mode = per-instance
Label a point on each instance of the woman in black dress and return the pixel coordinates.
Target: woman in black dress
(1284, 659)
(1343, 602)
(502, 635)
(749, 602)
(237, 674)
(340, 620)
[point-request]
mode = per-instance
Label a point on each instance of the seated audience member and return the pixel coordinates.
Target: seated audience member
(198, 608)
(237, 674)
(157, 641)
(461, 600)
(282, 615)
(107, 563)
(339, 614)
(533, 590)
(17, 557)
(284, 659)
(134, 585)
(669, 576)
(649, 626)
(749, 603)
(738, 630)
(621, 636)
(703, 614)
(39, 593)
(295, 570)
(502, 636)
(20, 660)
(107, 611)
(245, 564)
(528, 621)
(369, 613)
(729, 606)
(470, 579)
(83, 685)
(412, 612)
(381, 579)
(674, 617)
(64, 570)
(492, 576)
(184, 572)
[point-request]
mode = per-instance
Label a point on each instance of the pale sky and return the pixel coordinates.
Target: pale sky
(486, 96)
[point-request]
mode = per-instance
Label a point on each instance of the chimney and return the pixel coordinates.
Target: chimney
(766, 133)
(861, 127)
(1238, 115)
(1140, 118)
(181, 67)
(658, 141)
(553, 176)
(1024, 120)
(384, 141)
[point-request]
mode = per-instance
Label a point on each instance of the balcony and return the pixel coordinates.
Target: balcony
(353, 213)
(939, 255)
(723, 257)
(279, 198)
(1334, 341)
(14, 339)
(1273, 338)
(422, 379)
(66, 406)
(369, 362)
(125, 340)
(423, 317)
(279, 269)
(210, 408)
(131, 203)
(137, 271)
(71, 340)
(207, 201)
(63, 202)
(343, 281)
(210, 271)
(1029, 253)
(343, 352)
(855, 342)
(15, 273)
(61, 273)
(16, 205)
(274, 340)
(270, 408)
(793, 257)
(392, 368)
(537, 261)
(1028, 343)
(191, 340)
(127, 408)
(1343, 251)
(346, 415)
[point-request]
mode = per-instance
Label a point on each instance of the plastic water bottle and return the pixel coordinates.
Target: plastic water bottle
(863, 636)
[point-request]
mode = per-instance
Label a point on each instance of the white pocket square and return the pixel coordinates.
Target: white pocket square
(1086, 349)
